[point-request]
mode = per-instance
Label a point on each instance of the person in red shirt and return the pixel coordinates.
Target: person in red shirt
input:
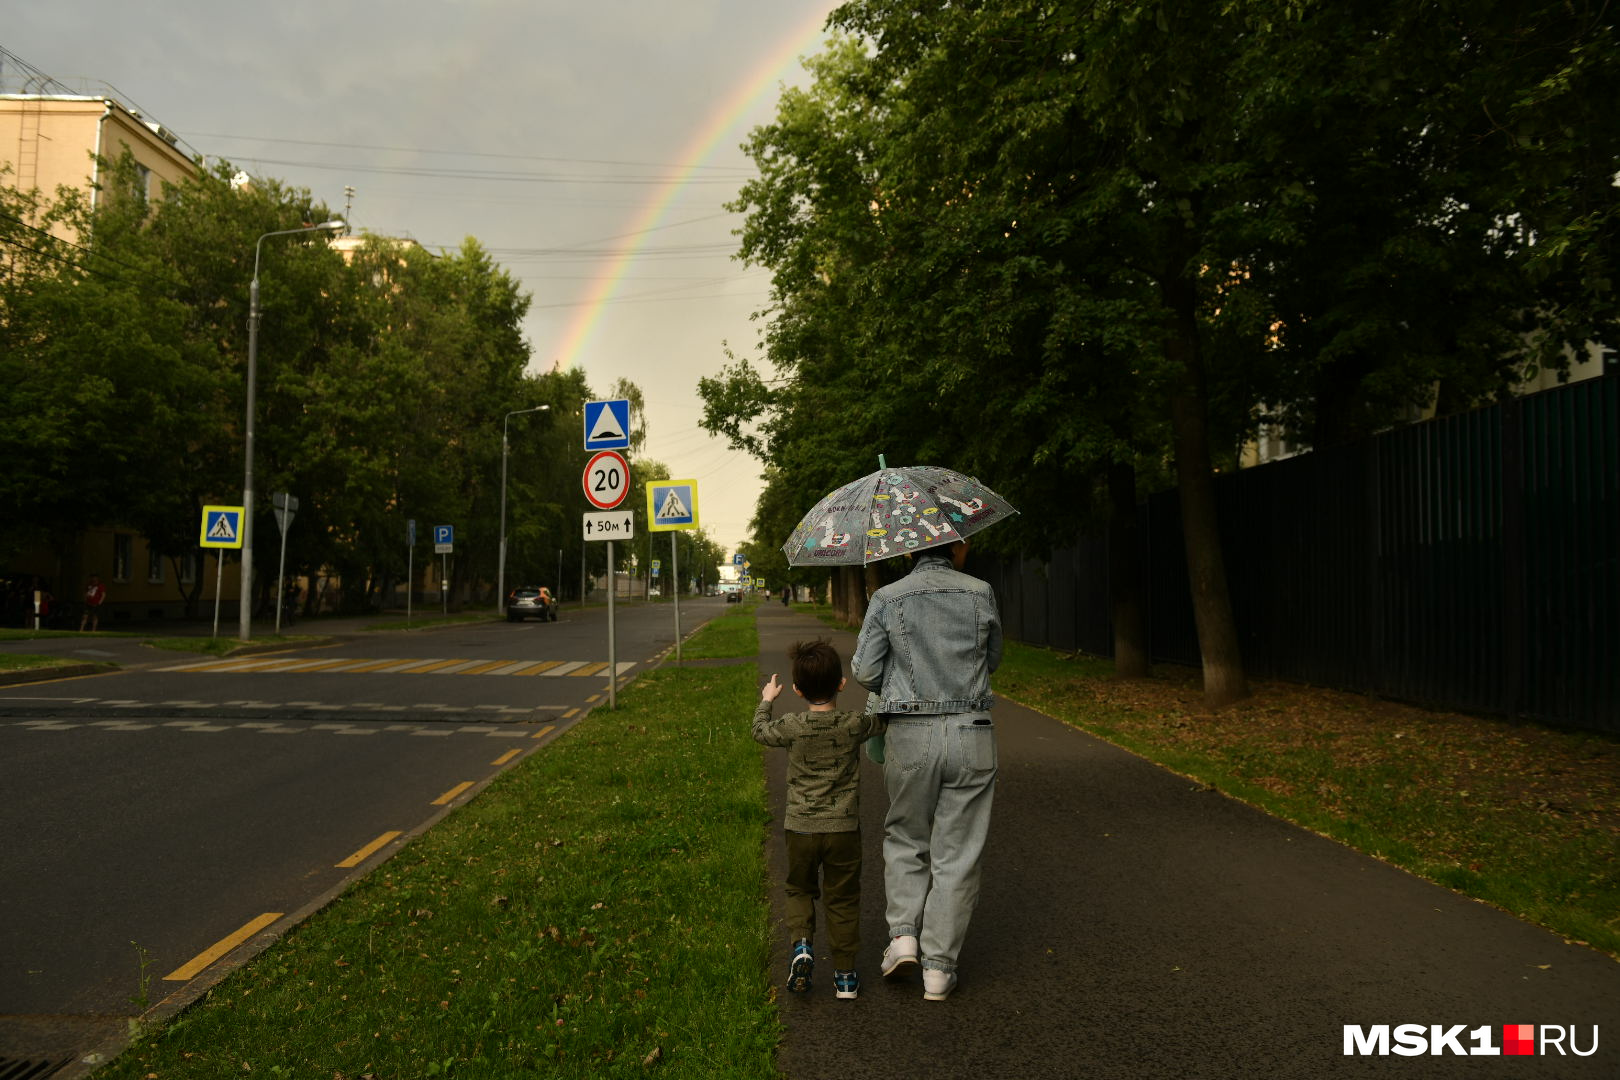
(95, 594)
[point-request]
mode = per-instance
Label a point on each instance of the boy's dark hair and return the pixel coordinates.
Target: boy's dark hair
(817, 671)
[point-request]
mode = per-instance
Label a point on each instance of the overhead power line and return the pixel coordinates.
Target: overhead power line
(741, 170)
(493, 174)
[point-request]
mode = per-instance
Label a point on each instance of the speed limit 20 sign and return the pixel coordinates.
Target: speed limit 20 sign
(606, 480)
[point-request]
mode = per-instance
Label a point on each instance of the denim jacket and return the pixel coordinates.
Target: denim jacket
(929, 643)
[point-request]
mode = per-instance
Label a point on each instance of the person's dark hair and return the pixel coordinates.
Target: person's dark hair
(817, 671)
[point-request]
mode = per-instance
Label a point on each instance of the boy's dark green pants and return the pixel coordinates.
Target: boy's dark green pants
(828, 866)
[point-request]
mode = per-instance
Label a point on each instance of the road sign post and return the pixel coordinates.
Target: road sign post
(444, 543)
(285, 506)
(410, 567)
(621, 525)
(672, 505)
(221, 529)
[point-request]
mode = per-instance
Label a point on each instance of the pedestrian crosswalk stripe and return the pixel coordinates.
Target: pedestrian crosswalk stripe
(399, 666)
(460, 666)
(431, 666)
(421, 665)
(315, 665)
(375, 665)
(485, 667)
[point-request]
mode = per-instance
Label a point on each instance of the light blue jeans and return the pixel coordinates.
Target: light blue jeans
(940, 772)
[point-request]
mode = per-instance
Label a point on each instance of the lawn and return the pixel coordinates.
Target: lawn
(597, 911)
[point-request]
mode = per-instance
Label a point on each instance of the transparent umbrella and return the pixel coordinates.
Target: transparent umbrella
(892, 512)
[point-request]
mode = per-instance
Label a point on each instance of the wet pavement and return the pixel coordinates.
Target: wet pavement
(1135, 923)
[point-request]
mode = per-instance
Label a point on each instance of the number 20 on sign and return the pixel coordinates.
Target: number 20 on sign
(606, 480)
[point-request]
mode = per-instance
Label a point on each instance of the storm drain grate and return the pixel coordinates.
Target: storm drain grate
(29, 1069)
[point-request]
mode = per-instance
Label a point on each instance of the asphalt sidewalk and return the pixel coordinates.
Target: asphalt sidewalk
(1136, 924)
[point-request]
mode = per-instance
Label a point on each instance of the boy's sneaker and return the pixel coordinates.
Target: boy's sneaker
(800, 967)
(937, 985)
(900, 956)
(846, 984)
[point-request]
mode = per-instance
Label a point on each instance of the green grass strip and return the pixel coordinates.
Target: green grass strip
(28, 661)
(597, 911)
(724, 636)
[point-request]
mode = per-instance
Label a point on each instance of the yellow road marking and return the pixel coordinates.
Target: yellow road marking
(569, 715)
(481, 668)
(300, 669)
(589, 669)
(433, 666)
(370, 849)
(239, 663)
(374, 666)
(549, 728)
(447, 797)
(224, 945)
(504, 758)
(592, 700)
(535, 669)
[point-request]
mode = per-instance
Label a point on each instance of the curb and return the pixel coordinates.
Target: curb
(58, 671)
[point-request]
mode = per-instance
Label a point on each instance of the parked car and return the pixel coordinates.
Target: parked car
(531, 602)
(734, 596)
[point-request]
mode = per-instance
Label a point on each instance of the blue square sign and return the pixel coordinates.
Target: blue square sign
(672, 504)
(607, 424)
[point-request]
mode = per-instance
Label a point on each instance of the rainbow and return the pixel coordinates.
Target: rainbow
(744, 96)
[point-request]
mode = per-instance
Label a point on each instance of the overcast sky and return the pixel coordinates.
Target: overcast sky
(607, 127)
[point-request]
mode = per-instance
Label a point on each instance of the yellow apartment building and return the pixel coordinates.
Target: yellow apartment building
(54, 138)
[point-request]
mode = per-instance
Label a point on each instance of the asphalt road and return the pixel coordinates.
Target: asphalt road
(1136, 924)
(155, 816)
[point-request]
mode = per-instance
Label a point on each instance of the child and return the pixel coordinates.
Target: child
(823, 821)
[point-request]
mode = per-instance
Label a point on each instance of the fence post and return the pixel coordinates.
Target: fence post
(1514, 587)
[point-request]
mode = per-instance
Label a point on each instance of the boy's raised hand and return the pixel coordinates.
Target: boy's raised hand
(771, 689)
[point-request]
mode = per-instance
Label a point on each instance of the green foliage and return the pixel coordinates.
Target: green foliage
(1042, 243)
(382, 384)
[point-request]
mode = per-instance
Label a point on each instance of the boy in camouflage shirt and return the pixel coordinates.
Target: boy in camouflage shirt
(823, 820)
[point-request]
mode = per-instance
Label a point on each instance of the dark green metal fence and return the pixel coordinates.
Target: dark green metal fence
(1469, 563)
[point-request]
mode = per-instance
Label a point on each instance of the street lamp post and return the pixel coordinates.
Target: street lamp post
(244, 628)
(500, 573)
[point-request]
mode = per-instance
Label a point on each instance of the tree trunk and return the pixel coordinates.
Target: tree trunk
(855, 600)
(1224, 680)
(1132, 659)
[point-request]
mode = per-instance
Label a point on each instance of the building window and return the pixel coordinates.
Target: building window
(189, 567)
(123, 548)
(154, 566)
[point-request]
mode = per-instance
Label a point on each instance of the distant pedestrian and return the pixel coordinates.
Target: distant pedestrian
(822, 825)
(786, 591)
(926, 650)
(95, 594)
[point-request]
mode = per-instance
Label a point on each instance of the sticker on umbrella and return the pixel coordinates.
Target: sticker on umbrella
(894, 511)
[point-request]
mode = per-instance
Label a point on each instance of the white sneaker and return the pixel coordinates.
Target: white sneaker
(937, 985)
(900, 956)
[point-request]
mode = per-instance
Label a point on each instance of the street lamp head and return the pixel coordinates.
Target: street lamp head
(335, 223)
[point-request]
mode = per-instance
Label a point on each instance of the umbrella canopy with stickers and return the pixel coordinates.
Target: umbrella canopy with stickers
(894, 511)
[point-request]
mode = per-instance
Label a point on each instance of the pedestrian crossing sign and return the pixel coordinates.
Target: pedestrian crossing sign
(221, 527)
(672, 504)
